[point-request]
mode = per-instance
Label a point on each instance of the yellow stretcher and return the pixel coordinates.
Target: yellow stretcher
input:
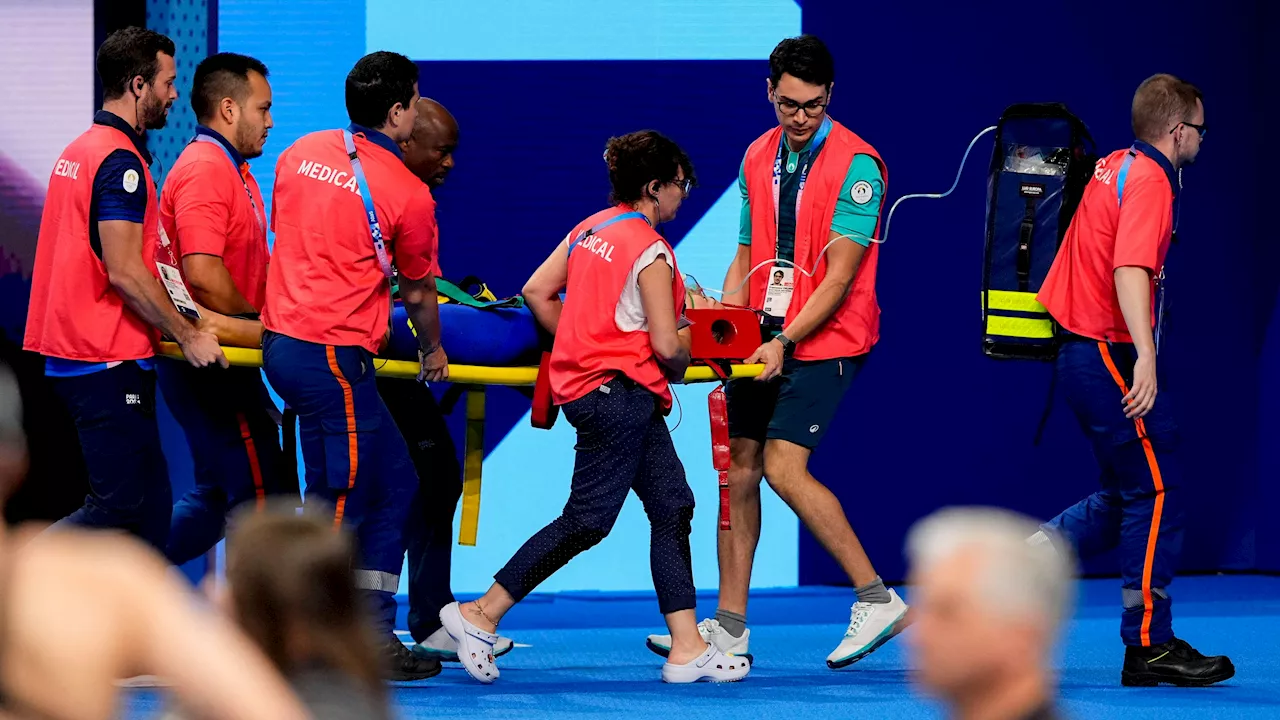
(474, 378)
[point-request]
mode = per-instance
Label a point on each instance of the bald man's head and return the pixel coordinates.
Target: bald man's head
(428, 153)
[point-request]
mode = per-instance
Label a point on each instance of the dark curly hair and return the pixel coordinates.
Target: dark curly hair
(804, 58)
(638, 158)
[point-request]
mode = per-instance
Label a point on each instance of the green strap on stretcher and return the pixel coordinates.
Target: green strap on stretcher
(483, 298)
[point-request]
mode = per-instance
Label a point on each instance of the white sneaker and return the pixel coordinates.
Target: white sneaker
(870, 626)
(712, 632)
(712, 665)
(445, 649)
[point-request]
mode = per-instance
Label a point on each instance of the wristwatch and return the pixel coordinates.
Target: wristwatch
(787, 343)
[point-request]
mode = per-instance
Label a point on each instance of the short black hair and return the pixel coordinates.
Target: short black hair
(804, 58)
(638, 158)
(221, 76)
(128, 53)
(378, 81)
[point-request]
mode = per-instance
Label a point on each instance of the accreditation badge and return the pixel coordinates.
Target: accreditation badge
(167, 264)
(777, 294)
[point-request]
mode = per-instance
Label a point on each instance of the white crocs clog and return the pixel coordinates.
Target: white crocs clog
(712, 665)
(475, 646)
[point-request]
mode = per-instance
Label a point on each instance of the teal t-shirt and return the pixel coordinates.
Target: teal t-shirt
(857, 207)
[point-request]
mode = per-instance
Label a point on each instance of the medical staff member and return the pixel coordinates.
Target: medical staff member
(428, 153)
(1104, 289)
(212, 211)
(811, 201)
(345, 207)
(96, 303)
(617, 348)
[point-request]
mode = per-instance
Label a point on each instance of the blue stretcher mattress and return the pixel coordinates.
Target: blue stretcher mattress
(496, 337)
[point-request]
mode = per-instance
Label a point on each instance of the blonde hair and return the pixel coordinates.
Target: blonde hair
(1161, 102)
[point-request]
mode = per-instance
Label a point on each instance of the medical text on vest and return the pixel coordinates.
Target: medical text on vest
(67, 169)
(597, 245)
(326, 174)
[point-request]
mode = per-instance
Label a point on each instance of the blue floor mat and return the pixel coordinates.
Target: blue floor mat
(607, 672)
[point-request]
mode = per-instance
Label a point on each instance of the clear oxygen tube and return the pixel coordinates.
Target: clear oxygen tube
(885, 238)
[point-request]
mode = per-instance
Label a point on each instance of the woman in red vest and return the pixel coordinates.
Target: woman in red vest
(617, 347)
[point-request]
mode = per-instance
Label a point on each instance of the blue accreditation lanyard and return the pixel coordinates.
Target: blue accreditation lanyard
(819, 138)
(375, 229)
(262, 225)
(633, 215)
(1177, 213)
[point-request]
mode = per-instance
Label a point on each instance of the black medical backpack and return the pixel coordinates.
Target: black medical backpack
(1043, 158)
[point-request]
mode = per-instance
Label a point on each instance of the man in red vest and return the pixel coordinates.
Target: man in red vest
(346, 207)
(811, 200)
(1105, 289)
(96, 304)
(212, 210)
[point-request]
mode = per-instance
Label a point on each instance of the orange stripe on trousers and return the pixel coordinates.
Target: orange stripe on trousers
(1154, 533)
(349, 406)
(255, 468)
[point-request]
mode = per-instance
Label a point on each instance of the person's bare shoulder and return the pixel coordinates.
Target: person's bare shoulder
(69, 606)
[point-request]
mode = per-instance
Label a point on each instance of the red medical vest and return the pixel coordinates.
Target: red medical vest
(74, 312)
(854, 327)
(589, 347)
(325, 284)
(1108, 233)
(205, 209)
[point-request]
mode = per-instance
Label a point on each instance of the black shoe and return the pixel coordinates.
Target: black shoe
(1173, 663)
(403, 665)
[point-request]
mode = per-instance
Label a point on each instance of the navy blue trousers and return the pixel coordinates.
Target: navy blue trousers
(235, 449)
(356, 459)
(429, 531)
(1139, 507)
(115, 415)
(623, 445)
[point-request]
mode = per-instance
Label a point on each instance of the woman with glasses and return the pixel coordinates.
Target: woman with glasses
(618, 345)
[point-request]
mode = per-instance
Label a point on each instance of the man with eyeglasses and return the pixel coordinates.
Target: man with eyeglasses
(1105, 289)
(811, 201)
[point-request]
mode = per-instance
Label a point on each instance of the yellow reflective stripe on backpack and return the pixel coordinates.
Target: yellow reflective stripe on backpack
(1019, 327)
(1014, 301)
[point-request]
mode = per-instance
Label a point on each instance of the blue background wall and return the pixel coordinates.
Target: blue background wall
(1264, 283)
(931, 413)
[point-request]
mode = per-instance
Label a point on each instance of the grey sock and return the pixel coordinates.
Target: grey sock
(875, 593)
(733, 623)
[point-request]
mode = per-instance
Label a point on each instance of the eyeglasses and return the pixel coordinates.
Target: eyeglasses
(1202, 129)
(813, 108)
(684, 185)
